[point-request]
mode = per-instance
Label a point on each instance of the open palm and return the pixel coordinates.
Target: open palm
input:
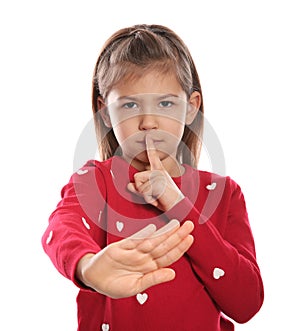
(130, 266)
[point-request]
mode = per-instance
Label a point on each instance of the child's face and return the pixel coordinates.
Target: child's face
(155, 105)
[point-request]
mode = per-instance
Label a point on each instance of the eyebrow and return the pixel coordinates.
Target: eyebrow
(170, 95)
(126, 97)
(132, 98)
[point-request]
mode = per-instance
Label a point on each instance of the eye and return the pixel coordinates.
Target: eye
(166, 104)
(130, 105)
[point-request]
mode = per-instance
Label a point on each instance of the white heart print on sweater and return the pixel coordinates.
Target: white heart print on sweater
(142, 298)
(211, 186)
(82, 172)
(105, 327)
(50, 236)
(85, 223)
(119, 225)
(218, 273)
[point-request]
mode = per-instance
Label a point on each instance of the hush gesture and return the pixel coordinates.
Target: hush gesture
(155, 185)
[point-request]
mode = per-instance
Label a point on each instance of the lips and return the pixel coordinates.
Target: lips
(158, 137)
(154, 140)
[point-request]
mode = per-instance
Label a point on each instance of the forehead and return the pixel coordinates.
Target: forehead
(151, 82)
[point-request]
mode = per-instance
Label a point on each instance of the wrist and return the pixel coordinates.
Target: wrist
(81, 268)
(175, 201)
(180, 211)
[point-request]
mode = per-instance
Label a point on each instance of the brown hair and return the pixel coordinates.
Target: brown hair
(129, 53)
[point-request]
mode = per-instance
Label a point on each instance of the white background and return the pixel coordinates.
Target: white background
(247, 54)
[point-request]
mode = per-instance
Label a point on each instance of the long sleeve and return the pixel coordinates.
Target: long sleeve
(223, 253)
(75, 227)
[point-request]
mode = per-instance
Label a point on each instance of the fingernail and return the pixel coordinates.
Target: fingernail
(175, 222)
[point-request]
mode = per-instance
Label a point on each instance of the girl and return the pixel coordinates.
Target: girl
(152, 242)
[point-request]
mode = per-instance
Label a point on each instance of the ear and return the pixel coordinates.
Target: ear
(194, 104)
(102, 109)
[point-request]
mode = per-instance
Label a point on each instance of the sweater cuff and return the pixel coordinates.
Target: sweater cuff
(72, 268)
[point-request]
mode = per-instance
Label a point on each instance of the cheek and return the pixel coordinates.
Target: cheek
(123, 130)
(175, 129)
(119, 134)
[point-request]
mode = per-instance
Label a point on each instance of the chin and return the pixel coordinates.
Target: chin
(141, 157)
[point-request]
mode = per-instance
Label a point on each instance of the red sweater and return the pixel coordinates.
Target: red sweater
(219, 273)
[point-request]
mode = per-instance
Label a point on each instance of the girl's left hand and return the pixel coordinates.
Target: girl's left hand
(156, 185)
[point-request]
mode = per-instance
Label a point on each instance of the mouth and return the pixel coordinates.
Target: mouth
(155, 141)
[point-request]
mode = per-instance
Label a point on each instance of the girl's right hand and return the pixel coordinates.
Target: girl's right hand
(130, 266)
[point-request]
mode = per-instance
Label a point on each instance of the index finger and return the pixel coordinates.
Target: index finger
(154, 160)
(134, 240)
(149, 232)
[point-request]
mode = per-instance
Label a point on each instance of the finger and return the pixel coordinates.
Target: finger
(154, 160)
(131, 187)
(156, 277)
(173, 241)
(145, 192)
(134, 240)
(143, 186)
(141, 178)
(169, 227)
(158, 237)
(176, 253)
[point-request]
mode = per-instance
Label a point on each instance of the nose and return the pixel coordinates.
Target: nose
(148, 122)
